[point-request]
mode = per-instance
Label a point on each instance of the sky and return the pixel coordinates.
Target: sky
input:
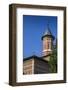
(34, 28)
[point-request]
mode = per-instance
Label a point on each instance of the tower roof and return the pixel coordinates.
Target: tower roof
(48, 33)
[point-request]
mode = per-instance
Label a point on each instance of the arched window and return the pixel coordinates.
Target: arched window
(48, 45)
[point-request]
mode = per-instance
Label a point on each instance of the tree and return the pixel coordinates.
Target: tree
(53, 60)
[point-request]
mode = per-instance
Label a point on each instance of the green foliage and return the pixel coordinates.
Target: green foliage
(53, 61)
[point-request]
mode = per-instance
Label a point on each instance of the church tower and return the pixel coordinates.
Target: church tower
(47, 39)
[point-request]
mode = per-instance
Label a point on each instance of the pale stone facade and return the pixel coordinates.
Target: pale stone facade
(35, 65)
(47, 45)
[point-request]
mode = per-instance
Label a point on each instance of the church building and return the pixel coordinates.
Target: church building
(39, 65)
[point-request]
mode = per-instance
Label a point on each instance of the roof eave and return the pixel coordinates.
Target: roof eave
(47, 36)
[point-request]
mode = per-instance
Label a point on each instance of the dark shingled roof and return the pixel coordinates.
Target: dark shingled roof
(35, 57)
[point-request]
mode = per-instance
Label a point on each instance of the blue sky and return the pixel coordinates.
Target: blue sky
(34, 28)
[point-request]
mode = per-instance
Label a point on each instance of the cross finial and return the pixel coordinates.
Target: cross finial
(33, 53)
(48, 22)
